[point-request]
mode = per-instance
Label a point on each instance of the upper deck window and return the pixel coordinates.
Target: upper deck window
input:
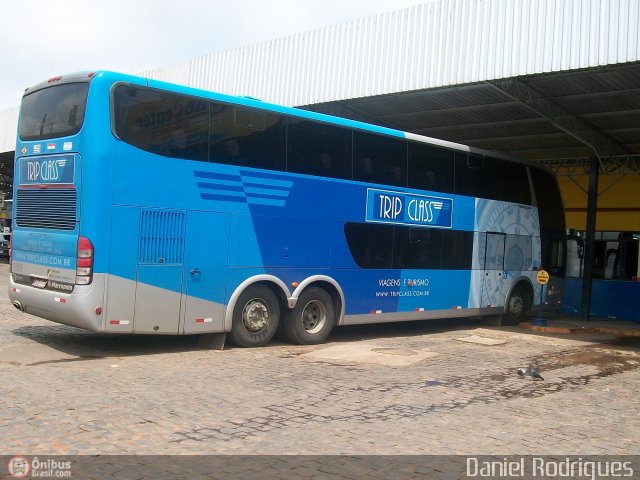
(53, 112)
(162, 122)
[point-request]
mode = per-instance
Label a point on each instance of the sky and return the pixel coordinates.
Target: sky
(40, 39)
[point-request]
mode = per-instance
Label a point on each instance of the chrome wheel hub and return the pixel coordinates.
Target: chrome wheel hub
(255, 315)
(314, 316)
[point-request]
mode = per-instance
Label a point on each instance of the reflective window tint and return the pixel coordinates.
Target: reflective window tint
(181, 126)
(491, 178)
(379, 159)
(53, 112)
(548, 200)
(430, 168)
(371, 244)
(161, 122)
(457, 250)
(247, 137)
(401, 247)
(318, 149)
(418, 248)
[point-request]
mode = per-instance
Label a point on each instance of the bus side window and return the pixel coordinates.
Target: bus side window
(246, 137)
(478, 175)
(316, 148)
(379, 159)
(370, 244)
(417, 248)
(430, 168)
(145, 118)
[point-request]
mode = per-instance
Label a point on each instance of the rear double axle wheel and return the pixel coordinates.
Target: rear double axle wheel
(312, 319)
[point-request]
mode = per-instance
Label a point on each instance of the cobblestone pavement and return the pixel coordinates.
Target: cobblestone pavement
(392, 389)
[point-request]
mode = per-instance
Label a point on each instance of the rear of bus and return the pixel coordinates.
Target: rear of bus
(52, 256)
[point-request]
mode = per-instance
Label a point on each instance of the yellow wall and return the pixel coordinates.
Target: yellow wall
(618, 207)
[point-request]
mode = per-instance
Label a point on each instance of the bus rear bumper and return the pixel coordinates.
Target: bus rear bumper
(81, 309)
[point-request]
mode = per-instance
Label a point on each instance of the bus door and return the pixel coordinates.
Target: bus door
(160, 271)
(494, 286)
(208, 235)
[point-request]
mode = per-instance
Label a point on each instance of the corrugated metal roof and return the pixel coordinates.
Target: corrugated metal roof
(443, 42)
(605, 100)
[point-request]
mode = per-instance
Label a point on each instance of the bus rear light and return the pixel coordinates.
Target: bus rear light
(85, 248)
(84, 262)
(83, 280)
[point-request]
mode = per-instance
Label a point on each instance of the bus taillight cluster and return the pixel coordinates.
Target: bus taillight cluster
(84, 264)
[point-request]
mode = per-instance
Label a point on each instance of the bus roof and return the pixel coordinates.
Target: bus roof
(252, 102)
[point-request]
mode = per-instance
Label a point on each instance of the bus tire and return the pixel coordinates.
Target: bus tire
(518, 306)
(312, 319)
(255, 317)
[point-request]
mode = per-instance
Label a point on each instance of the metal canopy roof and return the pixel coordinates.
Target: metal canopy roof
(555, 119)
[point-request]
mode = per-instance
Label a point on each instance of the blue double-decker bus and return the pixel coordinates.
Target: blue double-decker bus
(145, 207)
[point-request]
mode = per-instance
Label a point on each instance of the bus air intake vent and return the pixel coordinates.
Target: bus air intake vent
(48, 208)
(161, 237)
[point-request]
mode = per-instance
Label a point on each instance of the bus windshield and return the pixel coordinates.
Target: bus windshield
(53, 111)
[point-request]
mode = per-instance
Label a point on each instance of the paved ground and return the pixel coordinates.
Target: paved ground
(395, 389)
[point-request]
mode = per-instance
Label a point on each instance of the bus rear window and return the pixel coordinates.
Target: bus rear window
(53, 112)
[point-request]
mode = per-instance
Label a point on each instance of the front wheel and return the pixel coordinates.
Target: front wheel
(518, 307)
(255, 317)
(312, 319)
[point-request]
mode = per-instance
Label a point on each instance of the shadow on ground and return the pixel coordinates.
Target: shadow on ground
(86, 345)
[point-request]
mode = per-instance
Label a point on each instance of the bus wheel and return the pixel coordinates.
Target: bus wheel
(312, 319)
(255, 317)
(517, 307)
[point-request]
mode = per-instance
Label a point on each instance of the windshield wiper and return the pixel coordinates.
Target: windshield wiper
(42, 123)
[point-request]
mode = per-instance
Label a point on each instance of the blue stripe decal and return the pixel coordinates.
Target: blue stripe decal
(222, 198)
(255, 188)
(217, 176)
(221, 186)
(266, 192)
(247, 179)
(266, 201)
(264, 175)
(273, 187)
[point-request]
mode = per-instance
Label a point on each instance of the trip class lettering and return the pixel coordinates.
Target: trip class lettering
(390, 207)
(46, 170)
(402, 208)
(421, 210)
